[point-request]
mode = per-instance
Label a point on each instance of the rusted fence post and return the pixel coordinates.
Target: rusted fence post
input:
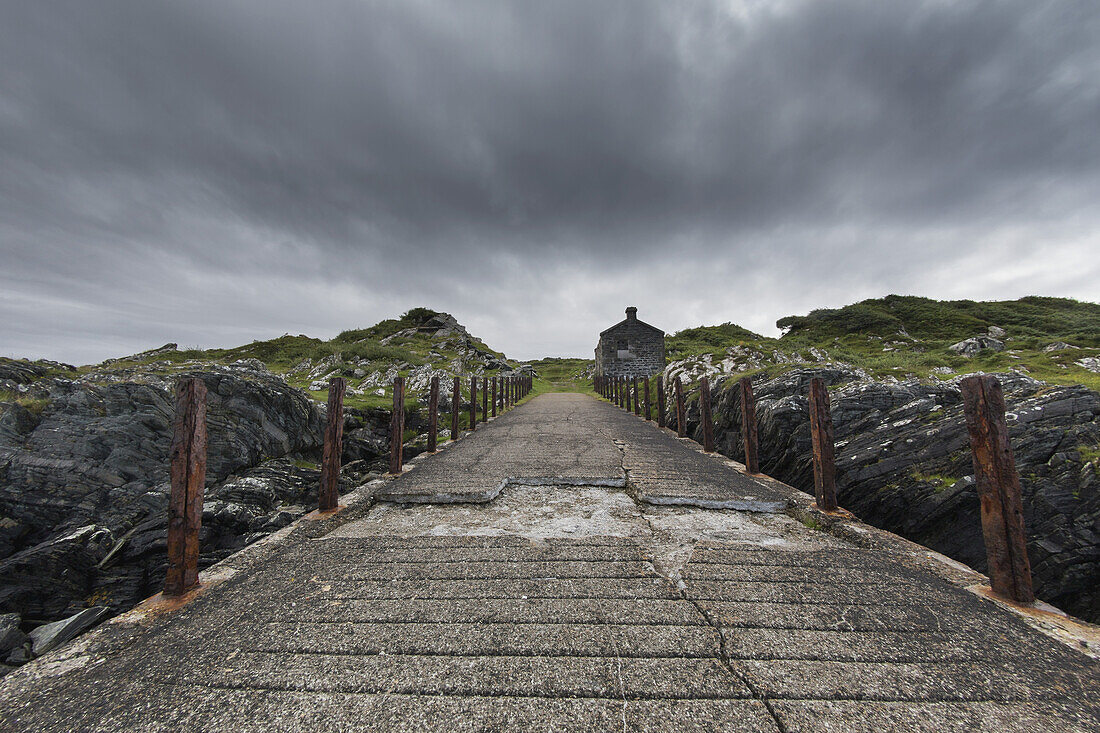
(681, 417)
(648, 414)
(493, 397)
(456, 405)
(821, 433)
(484, 399)
(473, 403)
(637, 405)
(660, 401)
(998, 487)
(397, 425)
(748, 426)
(328, 496)
(626, 388)
(433, 414)
(188, 467)
(704, 415)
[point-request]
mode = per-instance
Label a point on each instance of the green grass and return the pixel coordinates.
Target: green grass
(940, 483)
(33, 405)
(562, 375)
(926, 319)
(857, 335)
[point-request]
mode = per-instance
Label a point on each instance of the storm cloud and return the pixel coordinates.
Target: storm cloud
(212, 172)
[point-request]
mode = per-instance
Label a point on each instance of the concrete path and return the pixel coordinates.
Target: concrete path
(565, 567)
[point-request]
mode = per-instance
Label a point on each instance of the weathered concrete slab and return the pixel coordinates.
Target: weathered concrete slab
(565, 606)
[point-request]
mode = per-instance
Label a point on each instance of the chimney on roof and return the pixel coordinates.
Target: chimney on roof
(631, 313)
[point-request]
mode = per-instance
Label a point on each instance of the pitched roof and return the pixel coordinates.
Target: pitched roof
(635, 322)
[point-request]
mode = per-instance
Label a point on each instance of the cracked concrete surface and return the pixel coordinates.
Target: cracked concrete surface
(493, 586)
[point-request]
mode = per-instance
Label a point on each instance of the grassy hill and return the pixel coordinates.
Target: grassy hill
(907, 336)
(417, 345)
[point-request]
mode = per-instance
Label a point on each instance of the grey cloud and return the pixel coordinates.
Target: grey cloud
(233, 170)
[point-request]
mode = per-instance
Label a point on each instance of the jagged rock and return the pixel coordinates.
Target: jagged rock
(977, 344)
(11, 636)
(904, 464)
(50, 636)
(144, 355)
(996, 332)
(1060, 346)
(1091, 363)
(83, 486)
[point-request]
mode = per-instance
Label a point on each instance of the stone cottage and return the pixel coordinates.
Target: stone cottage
(631, 348)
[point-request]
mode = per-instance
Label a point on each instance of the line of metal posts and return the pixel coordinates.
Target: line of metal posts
(433, 414)
(705, 416)
(998, 487)
(648, 414)
(660, 401)
(473, 403)
(327, 496)
(456, 405)
(681, 418)
(821, 433)
(397, 426)
(748, 426)
(188, 471)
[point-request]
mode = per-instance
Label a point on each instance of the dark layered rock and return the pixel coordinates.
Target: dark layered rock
(903, 464)
(84, 484)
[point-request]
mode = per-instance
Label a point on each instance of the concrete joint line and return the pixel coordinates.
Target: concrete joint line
(487, 496)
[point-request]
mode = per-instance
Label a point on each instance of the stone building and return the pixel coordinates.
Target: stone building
(631, 348)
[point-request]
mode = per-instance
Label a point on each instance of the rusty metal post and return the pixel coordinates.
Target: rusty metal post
(637, 405)
(660, 401)
(397, 425)
(821, 433)
(456, 405)
(328, 496)
(433, 414)
(748, 426)
(626, 389)
(188, 467)
(645, 394)
(704, 415)
(681, 415)
(473, 403)
(484, 399)
(493, 397)
(998, 487)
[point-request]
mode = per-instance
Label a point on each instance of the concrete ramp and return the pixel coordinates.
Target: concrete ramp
(457, 600)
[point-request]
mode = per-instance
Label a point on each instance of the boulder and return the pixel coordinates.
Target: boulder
(50, 636)
(977, 344)
(11, 636)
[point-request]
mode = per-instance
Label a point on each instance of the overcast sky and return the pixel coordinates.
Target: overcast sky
(214, 171)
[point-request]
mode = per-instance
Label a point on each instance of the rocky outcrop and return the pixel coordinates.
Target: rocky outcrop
(976, 345)
(904, 464)
(84, 482)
